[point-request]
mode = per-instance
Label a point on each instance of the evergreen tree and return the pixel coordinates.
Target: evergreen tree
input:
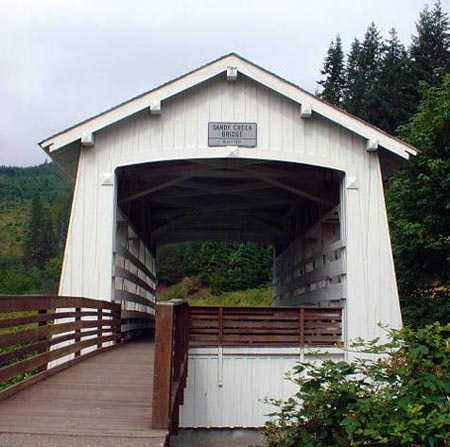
(363, 68)
(418, 198)
(371, 54)
(40, 242)
(394, 92)
(430, 48)
(334, 72)
(354, 82)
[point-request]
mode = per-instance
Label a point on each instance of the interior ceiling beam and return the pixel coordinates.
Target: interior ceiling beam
(202, 221)
(224, 189)
(223, 205)
(155, 188)
(293, 189)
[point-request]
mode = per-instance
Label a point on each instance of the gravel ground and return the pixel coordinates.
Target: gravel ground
(218, 438)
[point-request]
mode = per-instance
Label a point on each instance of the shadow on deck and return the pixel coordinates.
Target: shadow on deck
(102, 401)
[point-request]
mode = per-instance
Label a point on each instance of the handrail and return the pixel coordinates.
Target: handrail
(180, 327)
(37, 330)
(171, 358)
(265, 326)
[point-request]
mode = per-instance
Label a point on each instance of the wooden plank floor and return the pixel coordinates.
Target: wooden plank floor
(105, 400)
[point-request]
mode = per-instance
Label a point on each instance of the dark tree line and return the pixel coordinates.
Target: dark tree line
(221, 265)
(406, 91)
(379, 80)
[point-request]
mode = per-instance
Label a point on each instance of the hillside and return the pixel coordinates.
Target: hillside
(18, 188)
(218, 266)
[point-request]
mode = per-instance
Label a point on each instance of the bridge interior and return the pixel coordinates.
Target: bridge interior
(227, 199)
(294, 207)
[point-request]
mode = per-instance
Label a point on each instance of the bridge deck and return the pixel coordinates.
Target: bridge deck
(105, 400)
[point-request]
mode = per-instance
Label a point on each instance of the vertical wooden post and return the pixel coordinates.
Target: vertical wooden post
(302, 327)
(77, 331)
(220, 326)
(42, 338)
(163, 365)
(100, 328)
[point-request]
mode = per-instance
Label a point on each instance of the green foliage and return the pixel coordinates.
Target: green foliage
(397, 399)
(34, 212)
(190, 288)
(423, 307)
(220, 265)
(430, 48)
(16, 279)
(380, 83)
(334, 72)
(40, 243)
(261, 296)
(418, 197)
(396, 94)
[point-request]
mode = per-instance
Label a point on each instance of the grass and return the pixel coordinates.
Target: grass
(190, 289)
(251, 297)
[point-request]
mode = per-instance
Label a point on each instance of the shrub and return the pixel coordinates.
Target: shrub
(397, 399)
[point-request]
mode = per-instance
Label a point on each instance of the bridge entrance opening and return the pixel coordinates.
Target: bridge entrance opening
(293, 207)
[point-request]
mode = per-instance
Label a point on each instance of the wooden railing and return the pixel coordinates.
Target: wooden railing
(180, 327)
(265, 326)
(35, 331)
(171, 358)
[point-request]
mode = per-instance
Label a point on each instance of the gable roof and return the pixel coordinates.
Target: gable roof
(214, 68)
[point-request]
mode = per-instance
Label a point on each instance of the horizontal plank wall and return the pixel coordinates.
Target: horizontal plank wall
(228, 389)
(134, 277)
(312, 270)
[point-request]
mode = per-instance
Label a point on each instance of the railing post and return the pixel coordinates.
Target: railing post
(163, 365)
(100, 328)
(43, 338)
(220, 326)
(77, 331)
(302, 327)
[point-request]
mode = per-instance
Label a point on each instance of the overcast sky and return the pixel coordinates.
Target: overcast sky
(62, 61)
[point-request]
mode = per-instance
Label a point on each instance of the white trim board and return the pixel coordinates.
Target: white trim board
(202, 74)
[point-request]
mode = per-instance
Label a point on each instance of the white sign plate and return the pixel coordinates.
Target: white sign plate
(232, 134)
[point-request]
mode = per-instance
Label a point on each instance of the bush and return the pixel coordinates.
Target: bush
(397, 399)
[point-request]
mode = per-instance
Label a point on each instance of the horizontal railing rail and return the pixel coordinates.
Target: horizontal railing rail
(38, 332)
(265, 326)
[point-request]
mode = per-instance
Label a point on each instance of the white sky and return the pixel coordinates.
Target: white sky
(62, 61)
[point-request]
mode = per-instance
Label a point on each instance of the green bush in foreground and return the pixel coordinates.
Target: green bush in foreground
(398, 399)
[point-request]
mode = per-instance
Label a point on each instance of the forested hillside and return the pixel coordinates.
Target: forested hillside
(403, 89)
(34, 211)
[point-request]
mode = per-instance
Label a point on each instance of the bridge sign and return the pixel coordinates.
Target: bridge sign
(232, 134)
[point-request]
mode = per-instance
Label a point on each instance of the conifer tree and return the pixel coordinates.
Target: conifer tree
(334, 73)
(363, 66)
(354, 81)
(394, 92)
(40, 242)
(430, 48)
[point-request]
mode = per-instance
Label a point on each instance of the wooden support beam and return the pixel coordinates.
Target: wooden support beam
(232, 74)
(305, 110)
(294, 189)
(88, 140)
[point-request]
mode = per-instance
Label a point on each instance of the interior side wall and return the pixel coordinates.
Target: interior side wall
(312, 269)
(134, 274)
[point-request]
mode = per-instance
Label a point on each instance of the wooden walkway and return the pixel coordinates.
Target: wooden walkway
(103, 401)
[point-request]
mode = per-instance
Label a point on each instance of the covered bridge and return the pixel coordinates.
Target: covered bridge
(231, 151)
